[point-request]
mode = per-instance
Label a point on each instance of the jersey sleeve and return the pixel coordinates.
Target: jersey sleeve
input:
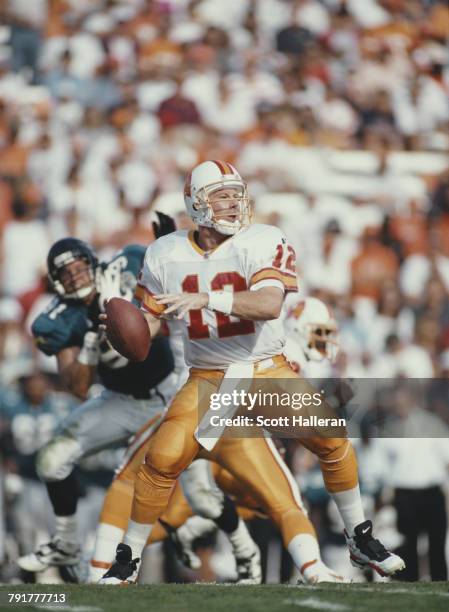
(135, 255)
(272, 262)
(59, 327)
(149, 284)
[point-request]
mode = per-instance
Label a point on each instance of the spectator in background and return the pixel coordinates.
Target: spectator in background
(25, 243)
(295, 37)
(391, 318)
(13, 340)
(375, 265)
(440, 197)
(178, 110)
(14, 156)
(29, 418)
(408, 228)
(329, 268)
(417, 469)
(27, 20)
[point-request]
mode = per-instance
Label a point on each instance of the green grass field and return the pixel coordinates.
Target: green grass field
(429, 597)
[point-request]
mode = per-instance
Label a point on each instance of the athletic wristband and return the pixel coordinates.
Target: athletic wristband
(221, 301)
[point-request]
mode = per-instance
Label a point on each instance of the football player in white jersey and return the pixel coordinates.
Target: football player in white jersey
(226, 282)
(312, 341)
(311, 347)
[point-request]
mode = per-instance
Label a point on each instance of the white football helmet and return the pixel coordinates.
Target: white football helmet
(313, 325)
(205, 179)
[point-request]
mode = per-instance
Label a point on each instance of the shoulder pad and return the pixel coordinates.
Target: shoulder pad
(129, 259)
(60, 326)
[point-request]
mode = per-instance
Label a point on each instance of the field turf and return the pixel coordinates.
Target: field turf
(384, 597)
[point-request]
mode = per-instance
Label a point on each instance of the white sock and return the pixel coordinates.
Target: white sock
(106, 540)
(305, 553)
(349, 504)
(66, 528)
(242, 542)
(198, 526)
(137, 536)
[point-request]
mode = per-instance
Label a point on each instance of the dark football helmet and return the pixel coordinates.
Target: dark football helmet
(65, 252)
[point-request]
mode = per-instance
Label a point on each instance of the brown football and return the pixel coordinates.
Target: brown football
(127, 329)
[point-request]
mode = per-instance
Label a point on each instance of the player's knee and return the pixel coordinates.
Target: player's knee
(332, 450)
(339, 469)
(56, 460)
(164, 465)
(169, 452)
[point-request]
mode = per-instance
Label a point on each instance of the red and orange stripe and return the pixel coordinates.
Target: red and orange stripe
(224, 167)
(147, 301)
(289, 281)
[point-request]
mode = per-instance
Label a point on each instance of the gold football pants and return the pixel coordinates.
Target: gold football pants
(253, 461)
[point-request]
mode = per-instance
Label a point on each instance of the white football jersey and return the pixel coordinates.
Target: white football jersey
(255, 257)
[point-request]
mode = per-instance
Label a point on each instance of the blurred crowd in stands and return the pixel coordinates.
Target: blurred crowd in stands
(336, 112)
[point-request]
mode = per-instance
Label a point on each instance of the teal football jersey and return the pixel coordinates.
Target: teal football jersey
(64, 323)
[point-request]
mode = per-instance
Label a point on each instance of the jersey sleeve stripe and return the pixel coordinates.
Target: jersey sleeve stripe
(289, 281)
(138, 292)
(148, 302)
(148, 308)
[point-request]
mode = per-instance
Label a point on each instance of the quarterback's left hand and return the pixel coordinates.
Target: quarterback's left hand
(182, 302)
(108, 284)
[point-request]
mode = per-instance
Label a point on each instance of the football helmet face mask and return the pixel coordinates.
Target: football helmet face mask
(313, 325)
(72, 268)
(212, 177)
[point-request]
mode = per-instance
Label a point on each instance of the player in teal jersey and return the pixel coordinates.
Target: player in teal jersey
(134, 393)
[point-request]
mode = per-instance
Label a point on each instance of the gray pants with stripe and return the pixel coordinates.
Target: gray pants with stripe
(106, 421)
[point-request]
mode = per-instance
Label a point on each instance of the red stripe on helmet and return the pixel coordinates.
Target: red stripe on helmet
(297, 310)
(224, 167)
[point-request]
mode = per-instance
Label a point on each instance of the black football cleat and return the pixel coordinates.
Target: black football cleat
(124, 570)
(365, 551)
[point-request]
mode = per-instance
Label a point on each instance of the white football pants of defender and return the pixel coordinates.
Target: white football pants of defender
(201, 491)
(105, 421)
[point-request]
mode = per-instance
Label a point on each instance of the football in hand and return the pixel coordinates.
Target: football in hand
(127, 329)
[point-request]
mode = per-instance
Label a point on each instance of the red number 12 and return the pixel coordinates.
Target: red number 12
(225, 327)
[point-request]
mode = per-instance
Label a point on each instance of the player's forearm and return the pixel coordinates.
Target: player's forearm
(77, 378)
(262, 305)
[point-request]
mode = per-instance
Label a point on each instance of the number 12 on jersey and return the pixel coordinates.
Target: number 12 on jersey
(226, 328)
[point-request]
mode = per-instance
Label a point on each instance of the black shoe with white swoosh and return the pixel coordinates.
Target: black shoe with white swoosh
(124, 570)
(365, 551)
